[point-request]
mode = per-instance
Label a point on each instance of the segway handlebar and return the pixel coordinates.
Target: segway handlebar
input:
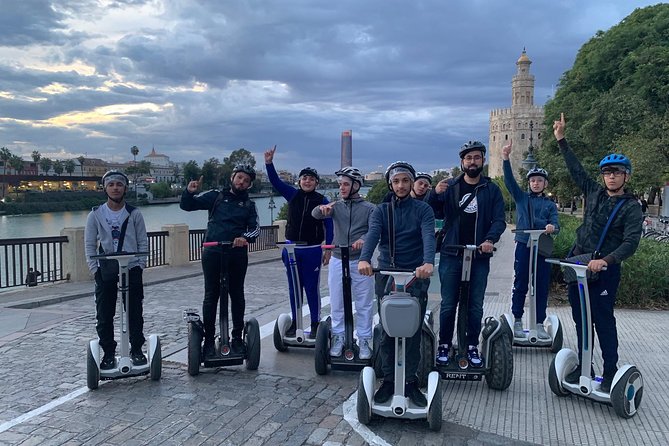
(565, 262)
(120, 254)
(394, 270)
(463, 247)
(209, 244)
(529, 231)
(288, 242)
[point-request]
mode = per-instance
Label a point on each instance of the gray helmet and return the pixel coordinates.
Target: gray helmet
(352, 173)
(310, 171)
(425, 176)
(245, 168)
(471, 146)
(537, 172)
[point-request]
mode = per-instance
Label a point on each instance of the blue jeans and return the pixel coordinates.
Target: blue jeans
(309, 272)
(450, 271)
(601, 310)
(521, 282)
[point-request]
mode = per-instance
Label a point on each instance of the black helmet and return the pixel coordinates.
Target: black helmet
(425, 176)
(310, 171)
(245, 168)
(471, 146)
(111, 175)
(537, 172)
(399, 167)
(352, 173)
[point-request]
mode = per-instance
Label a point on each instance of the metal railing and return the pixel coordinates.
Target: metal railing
(43, 254)
(266, 240)
(157, 248)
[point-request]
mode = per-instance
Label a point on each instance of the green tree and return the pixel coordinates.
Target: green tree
(377, 192)
(16, 163)
(5, 156)
(239, 156)
(191, 171)
(161, 190)
(81, 160)
(58, 167)
(456, 172)
(616, 99)
(211, 171)
(69, 166)
(45, 164)
(36, 156)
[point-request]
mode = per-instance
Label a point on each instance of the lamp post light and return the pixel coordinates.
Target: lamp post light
(530, 162)
(271, 206)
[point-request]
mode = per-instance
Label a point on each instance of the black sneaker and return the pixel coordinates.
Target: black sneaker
(385, 392)
(208, 351)
(575, 375)
(237, 346)
(291, 332)
(137, 357)
(412, 391)
(607, 380)
(314, 329)
(108, 361)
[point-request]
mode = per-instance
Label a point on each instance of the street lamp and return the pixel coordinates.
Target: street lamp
(530, 162)
(271, 206)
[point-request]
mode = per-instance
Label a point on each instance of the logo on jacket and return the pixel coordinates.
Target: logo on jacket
(472, 207)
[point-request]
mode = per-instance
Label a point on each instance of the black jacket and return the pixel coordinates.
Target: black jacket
(301, 225)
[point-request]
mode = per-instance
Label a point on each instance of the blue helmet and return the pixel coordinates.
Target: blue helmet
(616, 159)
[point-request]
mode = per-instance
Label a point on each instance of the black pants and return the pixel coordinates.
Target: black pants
(216, 266)
(106, 293)
(417, 289)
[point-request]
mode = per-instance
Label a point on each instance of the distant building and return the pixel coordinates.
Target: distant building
(374, 176)
(93, 167)
(346, 148)
(514, 123)
(157, 159)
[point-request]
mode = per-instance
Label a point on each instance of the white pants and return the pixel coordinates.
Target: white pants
(362, 291)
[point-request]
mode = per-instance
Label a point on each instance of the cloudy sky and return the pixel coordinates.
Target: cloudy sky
(198, 79)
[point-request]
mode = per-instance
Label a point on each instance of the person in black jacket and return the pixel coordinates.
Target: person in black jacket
(621, 241)
(232, 218)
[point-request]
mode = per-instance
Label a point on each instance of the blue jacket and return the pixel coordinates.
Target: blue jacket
(544, 210)
(413, 222)
(490, 222)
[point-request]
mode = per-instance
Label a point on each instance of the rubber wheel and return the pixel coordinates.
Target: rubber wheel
(362, 405)
(627, 393)
(278, 338)
(322, 347)
(501, 370)
(376, 357)
(425, 364)
(92, 370)
(556, 346)
(554, 382)
(434, 412)
(156, 367)
(252, 344)
(194, 350)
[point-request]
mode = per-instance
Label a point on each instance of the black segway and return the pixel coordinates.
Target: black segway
(124, 366)
(224, 356)
(496, 336)
(400, 318)
(301, 339)
(349, 359)
(552, 324)
(627, 386)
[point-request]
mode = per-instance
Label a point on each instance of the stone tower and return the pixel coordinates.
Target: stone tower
(515, 122)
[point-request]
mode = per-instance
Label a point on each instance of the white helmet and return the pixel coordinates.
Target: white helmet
(352, 173)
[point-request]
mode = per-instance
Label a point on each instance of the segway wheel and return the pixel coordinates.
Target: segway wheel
(278, 337)
(554, 382)
(627, 393)
(322, 347)
(156, 367)
(92, 370)
(501, 370)
(194, 350)
(376, 358)
(362, 404)
(252, 344)
(425, 364)
(434, 412)
(556, 346)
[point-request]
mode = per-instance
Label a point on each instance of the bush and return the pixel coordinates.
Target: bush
(644, 280)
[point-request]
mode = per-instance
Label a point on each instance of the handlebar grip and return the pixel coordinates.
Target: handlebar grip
(207, 244)
(393, 270)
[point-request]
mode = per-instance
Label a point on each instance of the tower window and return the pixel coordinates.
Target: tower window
(506, 137)
(522, 136)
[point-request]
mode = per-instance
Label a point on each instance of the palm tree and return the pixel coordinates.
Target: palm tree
(5, 156)
(135, 151)
(69, 166)
(36, 156)
(45, 164)
(58, 167)
(81, 160)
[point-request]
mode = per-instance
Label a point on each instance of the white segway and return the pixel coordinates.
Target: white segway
(124, 366)
(552, 323)
(400, 318)
(627, 385)
(301, 339)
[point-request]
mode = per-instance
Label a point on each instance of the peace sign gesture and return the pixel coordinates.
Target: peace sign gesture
(194, 186)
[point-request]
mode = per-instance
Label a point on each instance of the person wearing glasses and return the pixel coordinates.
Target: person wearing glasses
(473, 210)
(111, 227)
(621, 241)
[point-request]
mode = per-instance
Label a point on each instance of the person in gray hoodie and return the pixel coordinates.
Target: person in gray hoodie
(113, 227)
(351, 220)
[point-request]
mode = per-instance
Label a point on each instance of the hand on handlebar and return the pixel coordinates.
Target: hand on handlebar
(240, 242)
(424, 271)
(597, 265)
(365, 268)
(486, 247)
(326, 256)
(550, 228)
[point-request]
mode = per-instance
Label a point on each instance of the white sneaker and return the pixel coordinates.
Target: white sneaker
(518, 331)
(337, 345)
(365, 350)
(541, 332)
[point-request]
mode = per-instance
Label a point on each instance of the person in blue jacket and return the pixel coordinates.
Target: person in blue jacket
(543, 216)
(481, 223)
(412, 247)
(303, 227)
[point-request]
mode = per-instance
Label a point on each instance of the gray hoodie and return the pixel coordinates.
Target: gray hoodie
(97, 229)
(351, 220)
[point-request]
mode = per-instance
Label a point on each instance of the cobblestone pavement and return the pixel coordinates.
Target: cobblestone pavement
(45, 401)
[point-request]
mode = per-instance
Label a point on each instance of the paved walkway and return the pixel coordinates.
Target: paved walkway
(44, 330)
